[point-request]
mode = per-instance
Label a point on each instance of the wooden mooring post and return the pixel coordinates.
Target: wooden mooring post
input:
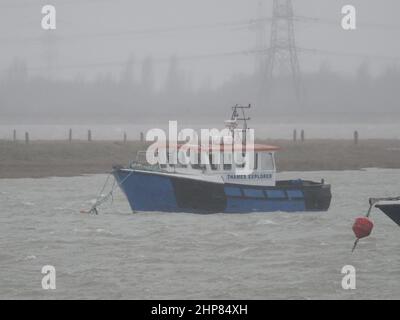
(355, 137)
(70, 136)
(302, 136)
(26, 137)
(294, 135)
(15, 135)
(125, 137)
(89, 135)
(141, 137)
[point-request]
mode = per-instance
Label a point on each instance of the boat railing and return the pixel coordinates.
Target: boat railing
(374, 201)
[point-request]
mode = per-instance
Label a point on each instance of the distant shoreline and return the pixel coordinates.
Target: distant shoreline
(41, 159)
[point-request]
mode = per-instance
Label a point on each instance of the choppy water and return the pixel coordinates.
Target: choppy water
(118, 254)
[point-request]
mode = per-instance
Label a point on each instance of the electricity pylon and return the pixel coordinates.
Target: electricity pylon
(282, 52)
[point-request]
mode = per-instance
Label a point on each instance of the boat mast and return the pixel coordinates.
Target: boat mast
(235, 116)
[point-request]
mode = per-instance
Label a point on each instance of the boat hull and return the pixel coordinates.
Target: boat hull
(392, 211)
(154, 191)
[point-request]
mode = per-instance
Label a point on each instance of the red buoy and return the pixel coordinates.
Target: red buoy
(362, 227)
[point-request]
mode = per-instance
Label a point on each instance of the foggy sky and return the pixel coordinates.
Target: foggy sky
(108, 32)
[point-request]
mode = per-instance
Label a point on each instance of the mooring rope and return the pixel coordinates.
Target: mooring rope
(100, 199)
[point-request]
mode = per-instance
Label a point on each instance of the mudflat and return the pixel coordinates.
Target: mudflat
(62, 158)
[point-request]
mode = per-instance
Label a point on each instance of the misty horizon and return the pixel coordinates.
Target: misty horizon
(177, 59)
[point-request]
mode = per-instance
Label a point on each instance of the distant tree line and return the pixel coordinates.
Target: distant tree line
(125, 99)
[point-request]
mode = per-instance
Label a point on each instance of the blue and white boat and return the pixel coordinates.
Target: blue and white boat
(218, 188)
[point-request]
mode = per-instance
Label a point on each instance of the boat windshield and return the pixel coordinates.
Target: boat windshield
(266, 161)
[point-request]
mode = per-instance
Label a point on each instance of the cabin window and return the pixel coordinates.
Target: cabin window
(141, 157)
(183, 159)
(266, 161)
(243, 160)
(212, 165)
(227, 167)
(227, 161)
(170, 157)
(256, 161)
(199, 165)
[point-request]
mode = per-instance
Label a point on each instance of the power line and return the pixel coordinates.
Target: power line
(249, 53)
(348, 54)
(159, 60)
(137, 32)
(332, 22)
(246, 23)
(26, 4)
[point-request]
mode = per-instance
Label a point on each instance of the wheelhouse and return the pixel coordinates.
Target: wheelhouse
(256, 164)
